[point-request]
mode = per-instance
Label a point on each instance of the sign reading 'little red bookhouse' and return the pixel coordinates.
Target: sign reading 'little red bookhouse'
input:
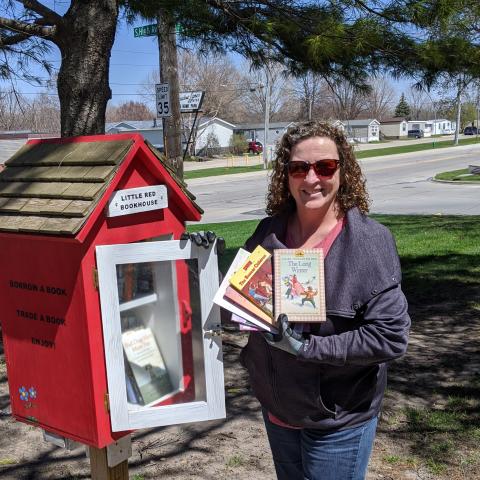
(136, 200)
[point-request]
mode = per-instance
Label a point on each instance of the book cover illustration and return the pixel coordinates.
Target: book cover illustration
(300, 284)
(146, 365)
(254, 280)
(223, 301)
(246, 305)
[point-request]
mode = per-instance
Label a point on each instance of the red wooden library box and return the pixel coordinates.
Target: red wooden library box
(105, 313)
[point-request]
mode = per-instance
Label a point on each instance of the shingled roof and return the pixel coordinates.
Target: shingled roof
(52, 188)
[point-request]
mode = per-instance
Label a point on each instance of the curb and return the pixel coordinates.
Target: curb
(455, 182)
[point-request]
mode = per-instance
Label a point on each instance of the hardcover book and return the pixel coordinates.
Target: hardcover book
(246, 305)
(148, 372)
(254, 280)
(300, 284)
(244, 324)
(246, 314)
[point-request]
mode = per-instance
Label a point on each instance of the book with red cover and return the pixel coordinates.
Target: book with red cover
(254, 280)
(245, 304)
(243, 313)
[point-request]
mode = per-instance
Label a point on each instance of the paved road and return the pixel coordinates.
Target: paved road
(397, 184)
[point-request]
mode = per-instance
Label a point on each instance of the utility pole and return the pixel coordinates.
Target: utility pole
(266, 125)
(459, 110)
(172, 126)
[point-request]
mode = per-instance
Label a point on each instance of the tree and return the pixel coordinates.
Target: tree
(379, 99)
(40, 114)
(344, 41)
(306, 89)
(421, 106)
(402, 109)
(348, 100)
(255, 91)
(84, 35)
(129, 111)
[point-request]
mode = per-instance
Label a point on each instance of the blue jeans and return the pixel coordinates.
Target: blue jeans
(310, 454)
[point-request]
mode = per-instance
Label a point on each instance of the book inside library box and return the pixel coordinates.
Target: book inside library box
(157, 354)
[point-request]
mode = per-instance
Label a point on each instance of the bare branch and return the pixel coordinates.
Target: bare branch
(13, 39)
(45, 12)
(28, 28)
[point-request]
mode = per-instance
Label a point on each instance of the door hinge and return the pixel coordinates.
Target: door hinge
(95, 278)
(106, 402)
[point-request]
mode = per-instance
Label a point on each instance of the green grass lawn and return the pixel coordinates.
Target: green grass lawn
(458, 176)
(209, 172)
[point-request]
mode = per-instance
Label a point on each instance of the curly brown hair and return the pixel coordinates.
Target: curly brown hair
(352, 191)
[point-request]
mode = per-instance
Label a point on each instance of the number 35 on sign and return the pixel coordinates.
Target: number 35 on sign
(162, 91)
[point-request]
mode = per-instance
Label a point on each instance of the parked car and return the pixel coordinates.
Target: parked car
(255, 147)
(415, 133)
(470, 130)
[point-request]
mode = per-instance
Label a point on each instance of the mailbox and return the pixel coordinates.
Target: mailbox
(107, 317)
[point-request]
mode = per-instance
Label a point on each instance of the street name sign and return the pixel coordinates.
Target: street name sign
(145, 30)
(152, 30)
(162, 92)
(191, 101)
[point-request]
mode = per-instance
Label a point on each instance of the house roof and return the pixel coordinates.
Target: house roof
(133, 125)
(364, 122)
(392, 120)
(53, 186)
(205, 121)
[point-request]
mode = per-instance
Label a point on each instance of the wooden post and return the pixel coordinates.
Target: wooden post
(99, 466)
(167, 45)
(111, 462)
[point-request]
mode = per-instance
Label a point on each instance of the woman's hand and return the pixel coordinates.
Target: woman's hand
(286, 339)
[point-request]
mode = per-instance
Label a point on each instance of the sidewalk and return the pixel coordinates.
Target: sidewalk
(250, 160)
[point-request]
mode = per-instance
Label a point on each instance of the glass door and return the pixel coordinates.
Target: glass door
(164, 362)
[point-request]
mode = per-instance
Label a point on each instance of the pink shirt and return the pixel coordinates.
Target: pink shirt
(325, 244)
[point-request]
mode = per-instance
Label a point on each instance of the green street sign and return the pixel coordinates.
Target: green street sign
(145, 31)
(151, 30)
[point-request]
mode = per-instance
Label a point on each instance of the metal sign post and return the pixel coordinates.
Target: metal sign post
(162, 94)
(191, 102)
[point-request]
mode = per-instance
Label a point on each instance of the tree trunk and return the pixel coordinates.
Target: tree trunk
(85, 39)
(167, 43)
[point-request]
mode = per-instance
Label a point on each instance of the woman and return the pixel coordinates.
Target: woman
(321, 385)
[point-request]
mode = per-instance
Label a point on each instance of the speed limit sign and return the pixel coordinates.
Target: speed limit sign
(162, 91)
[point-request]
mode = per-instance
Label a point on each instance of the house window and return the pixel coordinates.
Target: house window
(404, 127)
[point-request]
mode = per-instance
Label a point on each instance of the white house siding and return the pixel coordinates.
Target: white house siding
(442, 126)
(425, 125)
(362, 131)
(394, 130)
(222, 132)
(154, 136)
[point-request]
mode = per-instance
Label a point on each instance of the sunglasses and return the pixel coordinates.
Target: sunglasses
(322, 168)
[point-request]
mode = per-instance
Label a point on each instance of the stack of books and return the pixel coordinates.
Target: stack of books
(257, 292)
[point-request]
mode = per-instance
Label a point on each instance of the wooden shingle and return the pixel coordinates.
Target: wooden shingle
(51, 188)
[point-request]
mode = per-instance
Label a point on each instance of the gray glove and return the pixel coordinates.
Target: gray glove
(205, 239)
(286, 339)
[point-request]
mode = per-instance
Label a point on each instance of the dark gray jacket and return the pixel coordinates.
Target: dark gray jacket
(338, 381)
